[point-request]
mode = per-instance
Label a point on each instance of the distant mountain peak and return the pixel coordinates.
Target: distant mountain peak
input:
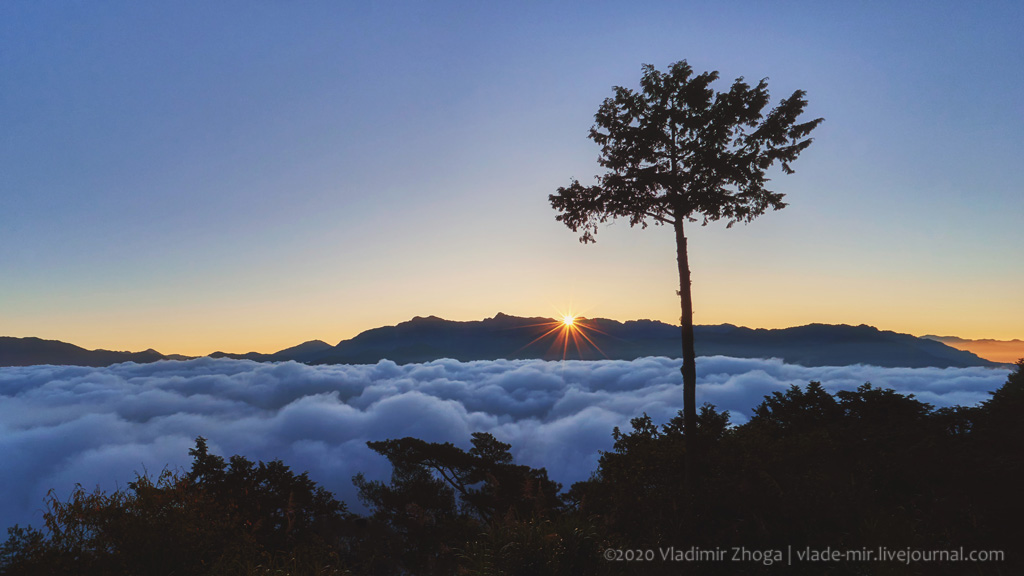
(313, 343)
(1006, 351)
(424, 319)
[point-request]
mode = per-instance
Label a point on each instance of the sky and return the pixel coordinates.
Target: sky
(242, 176)
(62, 425)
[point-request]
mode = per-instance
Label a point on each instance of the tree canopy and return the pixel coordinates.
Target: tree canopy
(678, 149)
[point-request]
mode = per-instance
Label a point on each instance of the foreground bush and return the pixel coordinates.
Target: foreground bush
(856, 470)
(232, 517)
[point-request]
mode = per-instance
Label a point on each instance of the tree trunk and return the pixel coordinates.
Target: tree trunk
(689, 370)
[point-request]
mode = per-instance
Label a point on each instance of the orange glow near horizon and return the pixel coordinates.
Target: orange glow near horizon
(202, 329)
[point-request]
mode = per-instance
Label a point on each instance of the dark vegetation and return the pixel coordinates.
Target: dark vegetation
(852, 470)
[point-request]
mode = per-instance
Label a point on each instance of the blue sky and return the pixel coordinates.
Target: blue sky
(247, 176)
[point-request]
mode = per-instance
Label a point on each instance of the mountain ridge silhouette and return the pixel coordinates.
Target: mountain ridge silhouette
(503, 336)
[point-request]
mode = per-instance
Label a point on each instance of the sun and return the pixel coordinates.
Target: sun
(567, 331)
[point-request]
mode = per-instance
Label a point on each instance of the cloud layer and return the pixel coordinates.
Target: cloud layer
(98, 426)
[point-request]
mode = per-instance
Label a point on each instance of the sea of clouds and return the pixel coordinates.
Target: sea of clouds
(62, 425)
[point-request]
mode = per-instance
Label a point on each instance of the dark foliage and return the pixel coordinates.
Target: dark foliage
(221, 518)
(854, 470)
(447, 510)
(677, 148)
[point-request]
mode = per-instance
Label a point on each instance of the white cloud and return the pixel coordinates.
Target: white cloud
(97, 426)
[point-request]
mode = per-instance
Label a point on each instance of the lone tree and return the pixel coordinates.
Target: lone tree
(677, 151)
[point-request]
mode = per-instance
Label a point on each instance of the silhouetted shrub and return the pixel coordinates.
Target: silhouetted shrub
(220, 518)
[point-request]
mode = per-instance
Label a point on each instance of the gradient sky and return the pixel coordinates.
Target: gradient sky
(195, 176)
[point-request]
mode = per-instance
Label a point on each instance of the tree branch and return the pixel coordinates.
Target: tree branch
(661, 219)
